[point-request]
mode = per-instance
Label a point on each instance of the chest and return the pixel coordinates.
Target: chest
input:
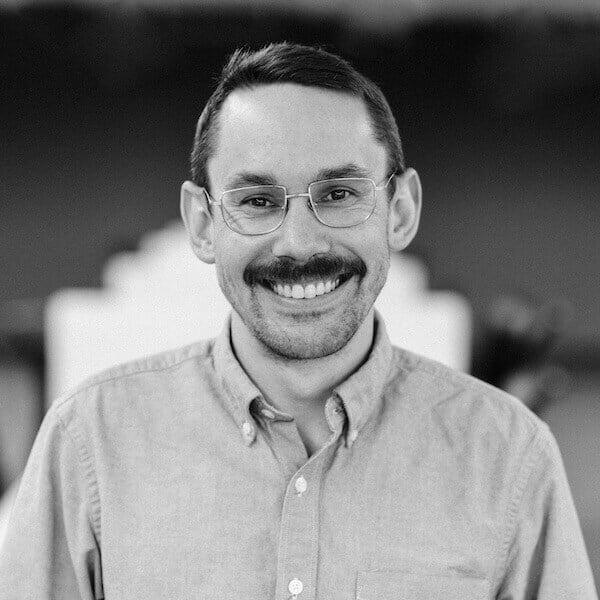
(358, 522)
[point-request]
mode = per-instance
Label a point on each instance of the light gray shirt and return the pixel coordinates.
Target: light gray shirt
(172, 478)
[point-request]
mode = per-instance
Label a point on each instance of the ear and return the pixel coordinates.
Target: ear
(404, 210)
(198, 221)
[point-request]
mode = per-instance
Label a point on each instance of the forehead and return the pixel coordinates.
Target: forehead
(293, 132)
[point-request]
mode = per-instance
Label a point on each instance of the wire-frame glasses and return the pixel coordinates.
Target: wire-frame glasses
(260, 209)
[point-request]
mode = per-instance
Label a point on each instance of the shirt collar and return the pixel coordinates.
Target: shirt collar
(358, 394)
(240, 391)
(361, 392)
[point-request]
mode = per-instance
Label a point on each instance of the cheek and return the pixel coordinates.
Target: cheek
(232, 255)
(376, 252)
(375, 228)
(372, 238)
(225, 259)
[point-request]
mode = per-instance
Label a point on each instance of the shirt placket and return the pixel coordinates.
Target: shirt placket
(299, 533)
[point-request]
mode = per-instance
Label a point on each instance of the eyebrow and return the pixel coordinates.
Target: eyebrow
(246, 178)
(347, 170)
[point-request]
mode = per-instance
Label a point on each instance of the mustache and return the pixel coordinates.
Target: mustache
(322, 267)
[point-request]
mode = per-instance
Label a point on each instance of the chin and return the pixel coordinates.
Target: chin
(305, 343)
(302, 350)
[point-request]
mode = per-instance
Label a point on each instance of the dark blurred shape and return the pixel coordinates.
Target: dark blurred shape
(120, 46)
(536, 59)
(515, 354)
(22, 329)
(21, 383)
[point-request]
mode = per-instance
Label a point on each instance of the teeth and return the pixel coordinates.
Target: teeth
(309, 291)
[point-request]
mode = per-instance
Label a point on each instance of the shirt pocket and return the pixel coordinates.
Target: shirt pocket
(397, 585)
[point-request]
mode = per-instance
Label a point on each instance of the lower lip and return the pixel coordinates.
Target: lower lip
(310, 303)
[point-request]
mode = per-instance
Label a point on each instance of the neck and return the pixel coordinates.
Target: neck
(299, 387)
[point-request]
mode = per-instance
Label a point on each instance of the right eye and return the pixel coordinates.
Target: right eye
(337, 195)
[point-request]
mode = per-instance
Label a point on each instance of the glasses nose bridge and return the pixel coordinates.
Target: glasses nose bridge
(299, 195)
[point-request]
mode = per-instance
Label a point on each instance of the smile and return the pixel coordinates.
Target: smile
(306, 290)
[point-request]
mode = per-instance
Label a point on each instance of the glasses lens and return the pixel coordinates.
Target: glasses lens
(343, 202)
(254, 210)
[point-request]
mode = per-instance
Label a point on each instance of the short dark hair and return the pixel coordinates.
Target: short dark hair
(293, 63)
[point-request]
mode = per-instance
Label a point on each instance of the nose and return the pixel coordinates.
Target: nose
(301, 235)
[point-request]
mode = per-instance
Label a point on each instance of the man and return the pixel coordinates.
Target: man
(299, 455)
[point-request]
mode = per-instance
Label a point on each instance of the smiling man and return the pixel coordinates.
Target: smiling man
(303, 209)
(298, 455)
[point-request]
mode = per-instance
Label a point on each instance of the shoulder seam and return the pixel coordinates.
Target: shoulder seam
(98, 380)
(534, 454)
(86, 463)
(466, 381)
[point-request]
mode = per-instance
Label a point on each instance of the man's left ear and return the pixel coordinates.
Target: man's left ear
(404, 210)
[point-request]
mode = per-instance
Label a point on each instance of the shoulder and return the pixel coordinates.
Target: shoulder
(465, 409)
(145, 381)
(153, 364)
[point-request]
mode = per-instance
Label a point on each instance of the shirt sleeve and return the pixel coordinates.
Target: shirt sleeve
(51, 549)
(546, 556)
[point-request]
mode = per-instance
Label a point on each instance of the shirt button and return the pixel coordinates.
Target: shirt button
(301, 486)
(247, 429)
(353, 435)
(295, 586)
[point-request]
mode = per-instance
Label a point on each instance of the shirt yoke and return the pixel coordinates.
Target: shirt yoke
(154, 363)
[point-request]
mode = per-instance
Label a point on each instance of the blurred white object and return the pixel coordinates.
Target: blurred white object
(162, 297)
(436, 324)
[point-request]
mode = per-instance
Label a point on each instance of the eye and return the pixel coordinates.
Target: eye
(335, 195)
(338, 194)
(259, 202)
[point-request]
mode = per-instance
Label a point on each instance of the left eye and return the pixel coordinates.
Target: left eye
(336, 196)
(259, 202)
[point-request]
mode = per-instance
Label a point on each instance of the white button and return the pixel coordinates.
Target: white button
(268, 413)
(247, 429)
(301, 485)
(295, 587)
(353, 435)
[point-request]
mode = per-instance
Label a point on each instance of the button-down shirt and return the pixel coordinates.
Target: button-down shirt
(171, 477)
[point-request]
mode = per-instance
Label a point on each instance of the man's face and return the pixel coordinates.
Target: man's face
(293, 135)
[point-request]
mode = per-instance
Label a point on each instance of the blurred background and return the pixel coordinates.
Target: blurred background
(498, 107)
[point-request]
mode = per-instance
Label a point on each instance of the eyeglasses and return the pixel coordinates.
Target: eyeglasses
(260, 209)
